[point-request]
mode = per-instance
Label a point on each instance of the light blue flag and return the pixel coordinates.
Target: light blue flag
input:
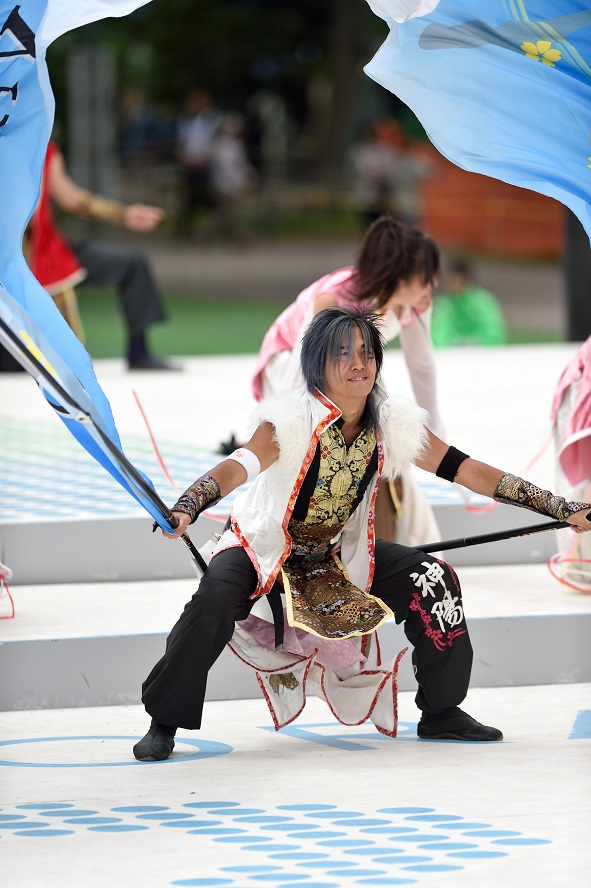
(31, 326)
(501, 88)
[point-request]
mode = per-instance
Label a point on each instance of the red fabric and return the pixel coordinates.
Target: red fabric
(575, 447)
(50, 258)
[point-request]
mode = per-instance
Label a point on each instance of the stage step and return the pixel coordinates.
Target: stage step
(79, 645)
(111, 539)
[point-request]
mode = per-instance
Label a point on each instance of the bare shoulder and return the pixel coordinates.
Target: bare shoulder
(325, 300)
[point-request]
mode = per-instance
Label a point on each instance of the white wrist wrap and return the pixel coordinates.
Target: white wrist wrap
(248, 460)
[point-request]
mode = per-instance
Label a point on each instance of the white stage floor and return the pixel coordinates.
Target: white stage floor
(317, 804)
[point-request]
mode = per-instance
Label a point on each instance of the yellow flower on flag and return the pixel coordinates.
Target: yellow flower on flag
(541, 51)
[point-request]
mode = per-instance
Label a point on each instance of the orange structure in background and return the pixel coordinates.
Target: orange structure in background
(468, 211)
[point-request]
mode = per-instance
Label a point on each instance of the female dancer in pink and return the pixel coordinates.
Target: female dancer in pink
(395, 272)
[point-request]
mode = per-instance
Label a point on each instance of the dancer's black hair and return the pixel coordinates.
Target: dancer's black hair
(332, 332)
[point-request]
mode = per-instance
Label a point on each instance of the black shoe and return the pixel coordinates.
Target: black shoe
(156, 745)
(454, 724)
(149, 362)
(229, 446)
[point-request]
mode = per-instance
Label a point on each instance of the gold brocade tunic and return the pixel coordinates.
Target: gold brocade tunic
(320, 596)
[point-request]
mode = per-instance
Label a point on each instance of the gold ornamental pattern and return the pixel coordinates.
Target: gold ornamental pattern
(320, 596)
(341, 471)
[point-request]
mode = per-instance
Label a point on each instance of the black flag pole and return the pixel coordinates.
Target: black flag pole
(492, 537)
(199, 563)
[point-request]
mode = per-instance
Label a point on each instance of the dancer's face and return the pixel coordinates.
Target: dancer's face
(354, 375)
(414, 292)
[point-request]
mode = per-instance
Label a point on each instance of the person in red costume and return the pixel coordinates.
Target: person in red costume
(60, 265)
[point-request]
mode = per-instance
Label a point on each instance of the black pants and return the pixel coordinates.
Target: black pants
(197, 194)
(127, 270)
(423, 593)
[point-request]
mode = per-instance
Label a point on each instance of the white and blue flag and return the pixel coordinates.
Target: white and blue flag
(502, 87)
(31, 327)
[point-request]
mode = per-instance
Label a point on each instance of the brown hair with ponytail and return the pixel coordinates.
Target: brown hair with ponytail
(390, 253)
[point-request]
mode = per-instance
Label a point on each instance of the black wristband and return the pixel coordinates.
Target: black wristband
(449, 465)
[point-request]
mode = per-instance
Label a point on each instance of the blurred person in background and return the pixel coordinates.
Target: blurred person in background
(387, 173)
(62, 265)
(233, 177)
(197, 130)
(466, 314)
(374, 166)
(138, 127)
(571, 424)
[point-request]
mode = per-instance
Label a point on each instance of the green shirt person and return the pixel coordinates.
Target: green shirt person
(466, 314)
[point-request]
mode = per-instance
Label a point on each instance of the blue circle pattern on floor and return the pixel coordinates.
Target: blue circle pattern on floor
(336, 843)
(203, 749)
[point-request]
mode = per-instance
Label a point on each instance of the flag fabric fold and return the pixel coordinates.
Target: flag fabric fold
(501, 88)
(31, 327)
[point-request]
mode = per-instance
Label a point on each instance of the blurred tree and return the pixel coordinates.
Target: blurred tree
(240, 47)
(233, 48)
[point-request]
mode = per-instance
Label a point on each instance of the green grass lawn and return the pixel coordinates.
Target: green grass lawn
(195, 326)
(203, 326)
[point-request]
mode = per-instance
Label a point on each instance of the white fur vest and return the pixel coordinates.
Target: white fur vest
(261, 514)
